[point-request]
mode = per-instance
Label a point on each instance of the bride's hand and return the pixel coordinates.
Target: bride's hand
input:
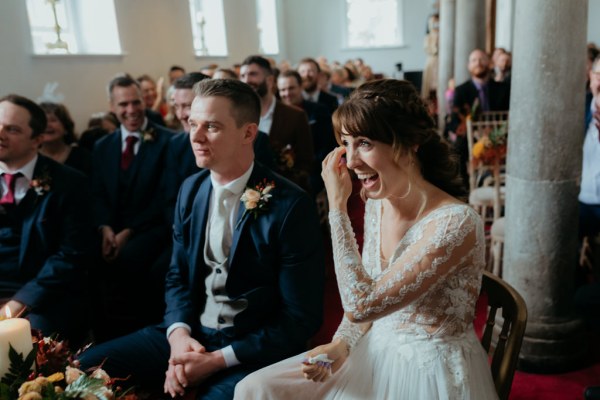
(336, 351)
(337, 179)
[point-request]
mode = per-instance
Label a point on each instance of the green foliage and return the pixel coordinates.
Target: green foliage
(20, 368)
(86, 385)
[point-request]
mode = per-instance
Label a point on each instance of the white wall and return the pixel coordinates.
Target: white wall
(152, 41)
(594, 21)
(316, 27)
(156, 34)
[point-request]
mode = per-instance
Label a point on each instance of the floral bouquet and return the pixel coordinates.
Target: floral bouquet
(56, 375)
(491, 147)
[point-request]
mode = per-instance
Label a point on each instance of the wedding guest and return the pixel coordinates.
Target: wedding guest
(289, 84)
(409, 301)
(245, 284)
(309, 70)
(287, 127)
(479, 93)
(152, 94)
(44, 228)
(128, 212)
(59, 141)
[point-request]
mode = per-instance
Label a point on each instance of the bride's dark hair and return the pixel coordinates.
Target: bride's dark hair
(391, 111)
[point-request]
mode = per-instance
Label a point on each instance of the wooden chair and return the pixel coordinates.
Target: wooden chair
(504, 349)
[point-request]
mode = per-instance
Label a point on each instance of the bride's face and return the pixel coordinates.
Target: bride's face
(373, 162)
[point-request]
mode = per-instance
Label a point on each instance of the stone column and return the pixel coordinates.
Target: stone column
(544, 163)
(446, 56)
(470, 35)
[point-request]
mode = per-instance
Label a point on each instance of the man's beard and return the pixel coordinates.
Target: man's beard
(262, 89)
(309, 86)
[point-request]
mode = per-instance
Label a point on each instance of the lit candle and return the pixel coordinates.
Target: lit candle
(16, 332)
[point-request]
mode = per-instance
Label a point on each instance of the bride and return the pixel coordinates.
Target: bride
(409, 301)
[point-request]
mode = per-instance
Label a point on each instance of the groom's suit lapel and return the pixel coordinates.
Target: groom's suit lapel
(243, 218)
(199, 218)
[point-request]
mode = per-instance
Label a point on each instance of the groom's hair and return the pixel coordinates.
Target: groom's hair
(245, 103)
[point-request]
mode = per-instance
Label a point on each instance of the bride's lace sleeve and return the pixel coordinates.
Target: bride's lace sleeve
(443, 242)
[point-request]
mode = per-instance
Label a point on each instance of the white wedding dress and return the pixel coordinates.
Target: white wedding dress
(421, 343)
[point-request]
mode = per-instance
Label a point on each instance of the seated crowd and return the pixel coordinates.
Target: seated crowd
(180, 233)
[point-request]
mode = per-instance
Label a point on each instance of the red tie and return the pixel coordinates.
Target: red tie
(9, 195)
(128, 155)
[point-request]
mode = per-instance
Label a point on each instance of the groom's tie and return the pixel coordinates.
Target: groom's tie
(219, 240)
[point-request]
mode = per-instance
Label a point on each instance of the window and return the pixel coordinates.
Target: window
(71, 27)
(208, 27)
(373, 23)
(266, 21)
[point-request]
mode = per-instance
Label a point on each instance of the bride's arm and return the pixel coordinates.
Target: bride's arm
(445, 243)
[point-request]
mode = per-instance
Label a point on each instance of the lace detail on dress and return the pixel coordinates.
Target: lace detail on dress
(411, 294)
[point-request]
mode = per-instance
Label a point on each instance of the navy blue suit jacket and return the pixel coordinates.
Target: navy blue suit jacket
(276, 265)
(181, 164)
(55, 245)
(145, 190)
(328, 100)
(589, 97)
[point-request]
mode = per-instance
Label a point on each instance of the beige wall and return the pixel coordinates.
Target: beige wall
(155, 34)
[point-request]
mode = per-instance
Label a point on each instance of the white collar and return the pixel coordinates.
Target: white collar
(237, 185)
(26, 170)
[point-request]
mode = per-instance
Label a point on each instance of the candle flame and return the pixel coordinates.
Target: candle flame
(7, 312)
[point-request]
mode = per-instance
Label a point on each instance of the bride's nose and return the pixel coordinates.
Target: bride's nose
(352, 158)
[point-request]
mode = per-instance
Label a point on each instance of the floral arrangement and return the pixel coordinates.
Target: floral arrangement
(41, 183)
(256, 200)
(492, 147)
(148, 135)
(56, 375)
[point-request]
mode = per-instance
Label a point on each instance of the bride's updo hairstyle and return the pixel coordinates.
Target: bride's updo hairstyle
(391, 111)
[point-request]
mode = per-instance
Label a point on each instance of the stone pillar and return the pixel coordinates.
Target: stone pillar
(470, 35)
(544, 163)
(446, 56)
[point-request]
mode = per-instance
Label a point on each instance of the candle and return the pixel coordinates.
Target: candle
(17, 332)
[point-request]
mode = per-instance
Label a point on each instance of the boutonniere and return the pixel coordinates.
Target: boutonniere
(148, 135)
(287, 157)
(41, 184)
(256, 199)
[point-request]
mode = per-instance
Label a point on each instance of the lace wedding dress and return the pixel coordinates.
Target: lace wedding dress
(421, 343)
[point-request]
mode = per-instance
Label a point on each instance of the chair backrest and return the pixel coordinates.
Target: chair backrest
(486, 122)
(507, 343)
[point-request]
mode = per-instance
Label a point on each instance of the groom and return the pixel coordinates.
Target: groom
(245, 284)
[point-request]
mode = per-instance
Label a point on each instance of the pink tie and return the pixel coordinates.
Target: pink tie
(9, 195)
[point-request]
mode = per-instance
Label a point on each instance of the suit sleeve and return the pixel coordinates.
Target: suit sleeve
(64, 270)
(178, 294)
(305, 154)
(301, 282)
(101, 211)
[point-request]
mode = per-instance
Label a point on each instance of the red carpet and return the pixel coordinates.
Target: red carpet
(526, 386)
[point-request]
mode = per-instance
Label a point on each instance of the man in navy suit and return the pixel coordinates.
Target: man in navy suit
(128, 213)
(490, 95)
(181, 162)
(245, 284)
(45, 234)
(309, 70)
